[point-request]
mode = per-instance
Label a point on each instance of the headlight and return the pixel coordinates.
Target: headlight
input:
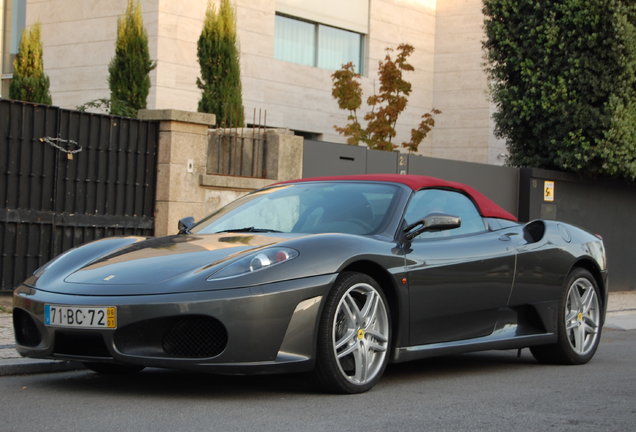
(254, 262)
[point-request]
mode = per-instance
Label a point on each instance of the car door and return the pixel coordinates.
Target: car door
(459, 279)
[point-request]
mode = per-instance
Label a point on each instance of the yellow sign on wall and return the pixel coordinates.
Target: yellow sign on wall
(548, 190)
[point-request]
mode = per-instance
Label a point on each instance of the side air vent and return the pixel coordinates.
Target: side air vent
(25, 329)
(534, 231)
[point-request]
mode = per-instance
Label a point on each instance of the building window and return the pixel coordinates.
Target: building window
(14, 19)
(315, 44)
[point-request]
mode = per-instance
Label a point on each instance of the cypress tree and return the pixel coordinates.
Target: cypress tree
(220, 78)
(29, 82)
(129, 69)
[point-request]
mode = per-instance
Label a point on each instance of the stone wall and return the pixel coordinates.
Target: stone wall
(184, 188)
(286, 154)
(181, 160)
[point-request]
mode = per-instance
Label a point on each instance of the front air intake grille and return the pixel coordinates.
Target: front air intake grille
(189, 336)
(195, 336)
(26, 331)
(78, 344)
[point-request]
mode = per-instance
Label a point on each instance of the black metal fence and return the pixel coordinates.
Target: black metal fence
(67, 178)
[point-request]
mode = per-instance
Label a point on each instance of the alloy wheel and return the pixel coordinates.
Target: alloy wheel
(360, 334)
(582, 316)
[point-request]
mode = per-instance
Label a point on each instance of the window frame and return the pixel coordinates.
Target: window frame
(316, 47)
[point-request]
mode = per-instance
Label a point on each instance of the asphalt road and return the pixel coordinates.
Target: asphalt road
(492, 391)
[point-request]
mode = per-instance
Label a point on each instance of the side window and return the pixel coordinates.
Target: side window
(429, 201)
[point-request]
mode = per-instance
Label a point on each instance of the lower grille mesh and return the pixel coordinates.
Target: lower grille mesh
(196, 336)
(183, 336)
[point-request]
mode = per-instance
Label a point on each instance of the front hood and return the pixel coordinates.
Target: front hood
(157, 260)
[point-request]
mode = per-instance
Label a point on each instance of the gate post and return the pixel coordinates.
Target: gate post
(181, 160)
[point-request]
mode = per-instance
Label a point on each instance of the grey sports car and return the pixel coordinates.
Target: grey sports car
(335, 275)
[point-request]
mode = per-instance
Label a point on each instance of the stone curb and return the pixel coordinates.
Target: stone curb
(26, 366)
(622, 320)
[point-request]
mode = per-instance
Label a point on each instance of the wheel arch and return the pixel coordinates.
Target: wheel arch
(590, 265)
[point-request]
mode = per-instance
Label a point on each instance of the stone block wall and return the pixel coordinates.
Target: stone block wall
(184, 187)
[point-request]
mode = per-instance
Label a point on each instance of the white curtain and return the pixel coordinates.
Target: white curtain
(337, 47)
(295, 41)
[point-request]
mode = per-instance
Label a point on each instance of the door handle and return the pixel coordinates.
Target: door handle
(507, 236)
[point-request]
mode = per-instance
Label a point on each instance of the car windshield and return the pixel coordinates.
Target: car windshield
(321, 207)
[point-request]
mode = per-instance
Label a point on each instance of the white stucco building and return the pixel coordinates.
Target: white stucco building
(288, 49)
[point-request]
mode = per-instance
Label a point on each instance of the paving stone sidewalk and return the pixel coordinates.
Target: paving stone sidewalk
(6, 337)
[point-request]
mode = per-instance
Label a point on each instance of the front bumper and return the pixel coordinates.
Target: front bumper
(267, 328)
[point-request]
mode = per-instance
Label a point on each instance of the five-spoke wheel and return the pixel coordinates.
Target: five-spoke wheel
(580, 322)
(354, 336)
(582, 316)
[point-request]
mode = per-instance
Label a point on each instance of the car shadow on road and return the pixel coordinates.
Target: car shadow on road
(160, 382)
(163, 382)
(478, 363)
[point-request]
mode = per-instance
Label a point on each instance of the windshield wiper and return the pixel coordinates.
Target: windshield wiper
(249, 229)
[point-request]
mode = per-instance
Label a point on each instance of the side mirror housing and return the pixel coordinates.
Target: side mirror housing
(432, 222)
(185, 224)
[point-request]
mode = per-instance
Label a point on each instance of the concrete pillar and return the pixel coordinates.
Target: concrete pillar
(290, 154)
(181, 160)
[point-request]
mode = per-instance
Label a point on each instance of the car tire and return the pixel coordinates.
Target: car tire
(354, 335)
(579, 322)
(112, 368)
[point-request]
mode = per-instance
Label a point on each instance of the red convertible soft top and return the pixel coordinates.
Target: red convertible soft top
(486, 206)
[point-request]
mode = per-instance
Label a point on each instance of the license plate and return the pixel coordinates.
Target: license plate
(80, 316)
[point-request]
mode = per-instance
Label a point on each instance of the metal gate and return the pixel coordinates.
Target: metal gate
(67, 178)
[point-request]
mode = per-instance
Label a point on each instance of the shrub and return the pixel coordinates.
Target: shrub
(29, 82)
(563, 77)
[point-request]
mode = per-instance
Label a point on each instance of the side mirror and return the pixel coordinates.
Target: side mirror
(185, 224)
(432, 222)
